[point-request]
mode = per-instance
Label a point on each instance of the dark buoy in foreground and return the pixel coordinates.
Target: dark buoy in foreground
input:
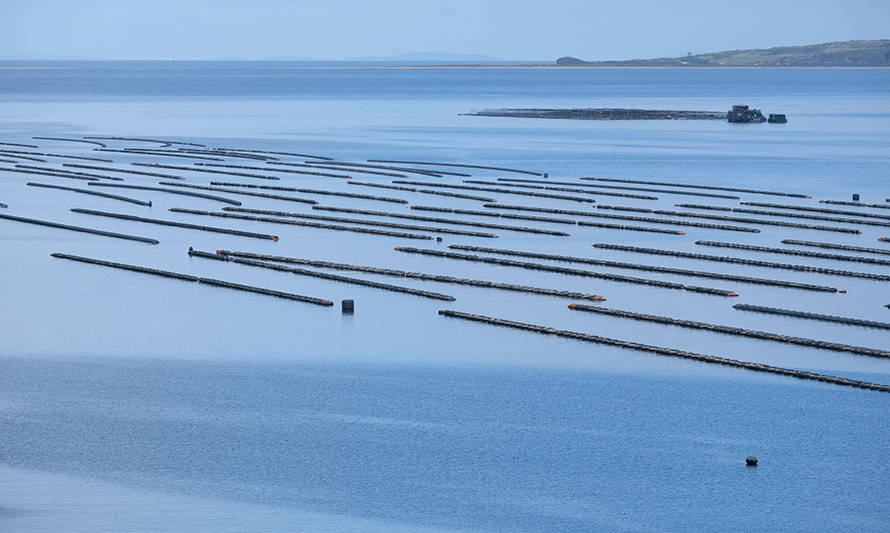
(751, 461)
(348, 306)
(855, 197)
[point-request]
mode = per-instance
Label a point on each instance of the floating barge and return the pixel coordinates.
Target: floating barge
(601, 113)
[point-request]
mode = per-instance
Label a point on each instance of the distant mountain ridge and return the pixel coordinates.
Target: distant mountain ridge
(833, 54)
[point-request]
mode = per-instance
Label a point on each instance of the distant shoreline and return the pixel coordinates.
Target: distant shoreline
(465, 67)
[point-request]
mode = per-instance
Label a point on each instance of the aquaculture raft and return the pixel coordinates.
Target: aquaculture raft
(565, 270)
(741, 261)
(417, 275)
(731, 330)
(649, 268)
(671, 352)
(186, 277)
(80, 229)
(131, 218)
(813, 316)
(323, 275)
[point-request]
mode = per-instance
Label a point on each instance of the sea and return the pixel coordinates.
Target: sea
(135, 403)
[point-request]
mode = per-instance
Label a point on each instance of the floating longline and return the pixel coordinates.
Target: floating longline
(20, 145)
(647, 268)
(434, 173)
(71, 172)
(833, 246)
(194, 169)
(302, 223)
(623, 217)
(564, 270)
(270, 169)
(440, 220)
(588, 187)
(93, 193)
(361, 222)
(146, 151)
(170, 191)
(240, 155)
(332, 167)
(277, 153)
(671, 352)
(16, 157)
(83, 157)
(787, 215)
(212, 229)
(667, 191)
(103, 145)
(813, 316)
(491, 214)
(742, 261)
(529, 172)
(732, 330)
(544, 219)
(60, 174)
(818, 210)
(80, 229)
(237, 191)
(161, 141)
(417, 275)
(855, 204)
(500, 190)
(187, 277)
(324, 275)
(423, 191)
(631, 228)
(709, 187)
(125, 170)
(507, 182)
(312, 191)
(731, 219)
(801, 253)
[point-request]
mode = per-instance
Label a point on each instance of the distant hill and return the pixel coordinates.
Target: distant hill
(836, 54)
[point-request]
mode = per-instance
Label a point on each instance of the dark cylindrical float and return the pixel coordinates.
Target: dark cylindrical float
(348, 306)
(751, 461)
(855, 197)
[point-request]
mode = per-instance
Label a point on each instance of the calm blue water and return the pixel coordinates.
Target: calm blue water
(134, 403)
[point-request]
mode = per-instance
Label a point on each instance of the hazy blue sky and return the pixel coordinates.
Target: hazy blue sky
(336, 29)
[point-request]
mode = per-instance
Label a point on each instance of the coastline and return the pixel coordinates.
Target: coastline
(450, 67)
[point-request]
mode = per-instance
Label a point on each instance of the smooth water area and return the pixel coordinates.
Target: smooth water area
(130, 402)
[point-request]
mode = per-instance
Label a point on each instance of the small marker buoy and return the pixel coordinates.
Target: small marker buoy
(751, 461)
(348, 306)
(855, 197)
(438, 239)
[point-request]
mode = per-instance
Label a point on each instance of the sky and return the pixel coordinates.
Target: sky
(348, 29)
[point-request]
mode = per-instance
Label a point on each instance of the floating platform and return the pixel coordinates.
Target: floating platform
(600, 113)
